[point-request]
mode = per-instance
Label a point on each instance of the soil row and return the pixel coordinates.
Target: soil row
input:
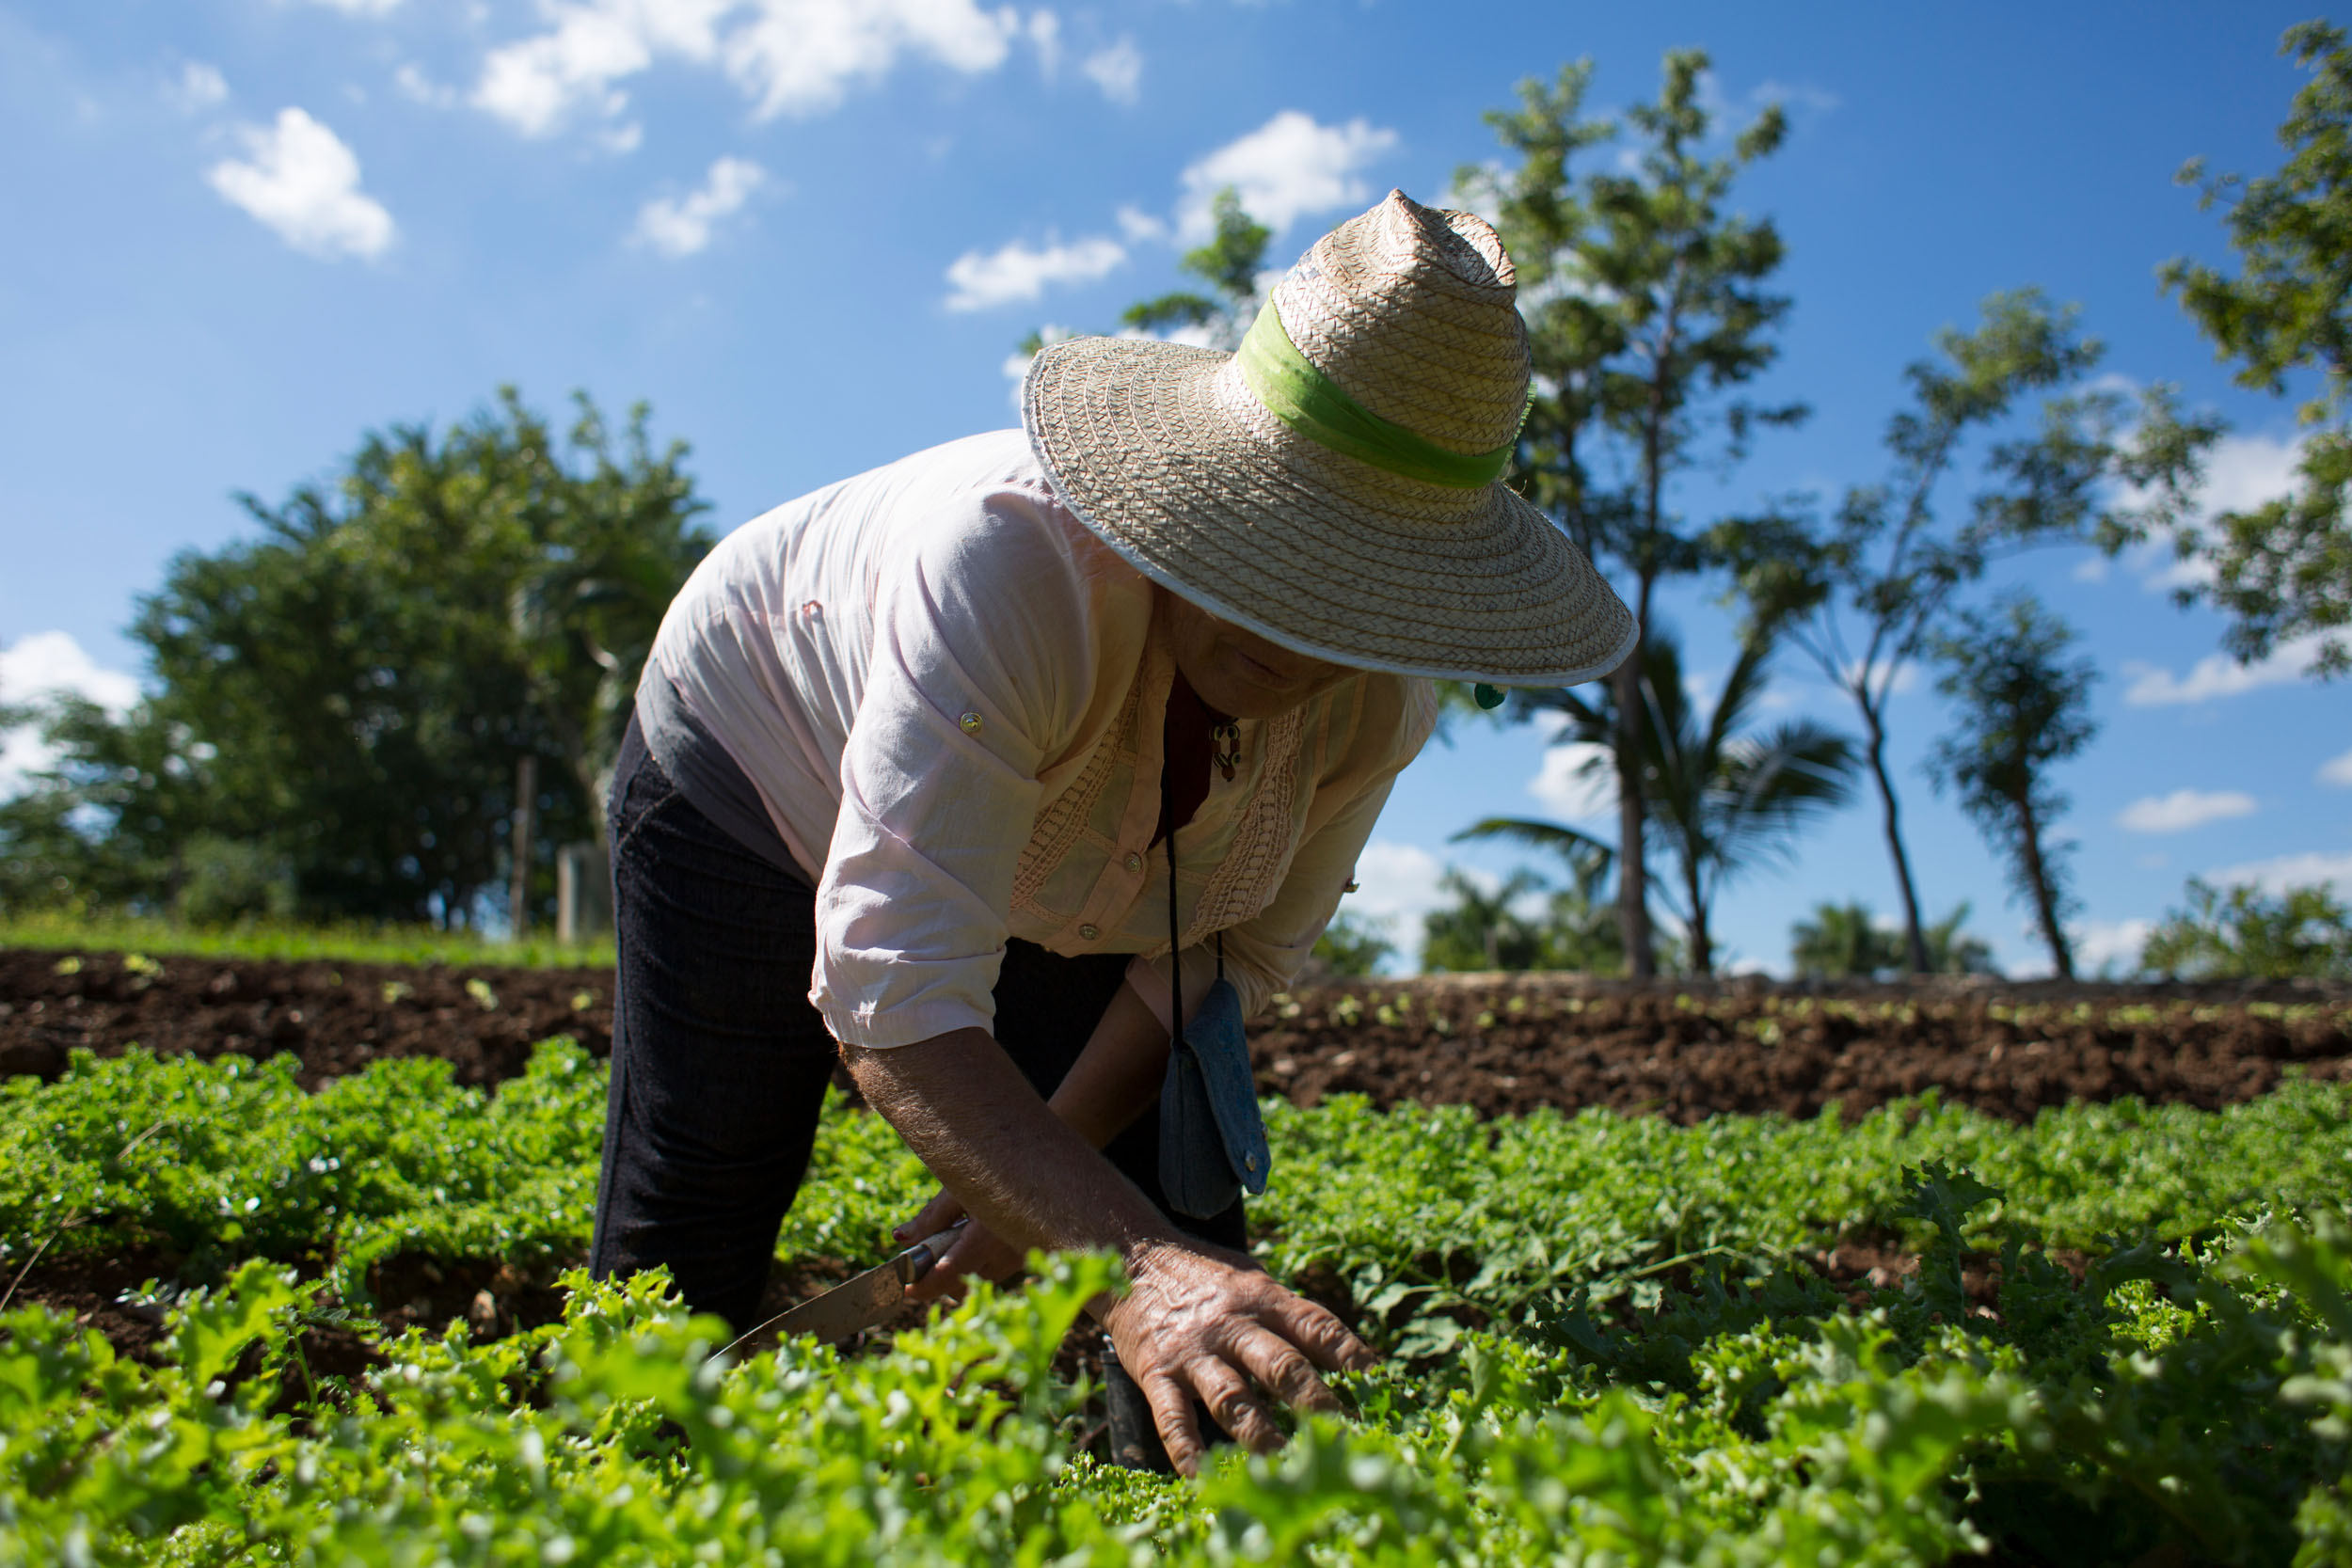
(1503, 1044)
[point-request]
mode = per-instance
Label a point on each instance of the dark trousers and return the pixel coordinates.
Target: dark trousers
(720, 1064)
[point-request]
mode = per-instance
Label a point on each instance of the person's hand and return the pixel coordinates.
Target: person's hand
(1207, 1324)
(976, 1252)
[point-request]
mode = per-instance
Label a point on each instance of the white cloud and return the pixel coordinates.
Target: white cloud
(2090, 568)
(2217, 675)
(2337, 770)
(1794, 95)
(1141, 227)
(418, 87)
(1397, 883)
(41, 665)
(1045, 36)
(1578, 781)
(1016, 364)
(681, 227)
(2102, 944)
(1478, 195)
(795, 57)
(800, 57)
(2184, 809)
(200, 86)
(47, 663)
(1117, 69)
(361, 7)
(302, 183)
(1020, 271)
(2281, 872)
(1904, 677)
(1286, 168)
(2242, 472)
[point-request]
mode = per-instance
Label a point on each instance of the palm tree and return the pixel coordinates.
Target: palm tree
(1479, 931)
(1953, 951)
(1842, 942)
(1721, 801)
(1846, 942)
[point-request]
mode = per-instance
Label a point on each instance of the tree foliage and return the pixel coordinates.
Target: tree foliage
(1863, 593)
(2021, 707)
(2283, 569)
(1648, 308)
(350, 691)
(1845, 941)
(2244, 934)
(1481, 929)
(1351, 945)
(1724, 797)
(1230, 264)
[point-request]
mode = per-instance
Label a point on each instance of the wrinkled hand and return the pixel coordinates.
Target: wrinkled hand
(1201, 1322)
(976, 1252)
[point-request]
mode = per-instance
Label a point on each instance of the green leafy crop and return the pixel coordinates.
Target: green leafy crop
(2123, 1333)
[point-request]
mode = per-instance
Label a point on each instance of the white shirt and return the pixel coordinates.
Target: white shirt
(944, 689)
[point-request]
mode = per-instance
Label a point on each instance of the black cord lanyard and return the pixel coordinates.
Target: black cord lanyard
(1175, 955)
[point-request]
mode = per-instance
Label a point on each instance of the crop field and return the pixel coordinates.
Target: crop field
(285, 1299)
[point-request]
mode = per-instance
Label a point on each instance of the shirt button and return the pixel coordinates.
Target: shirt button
(971, 722)
(1135, 861)
(1090, 932)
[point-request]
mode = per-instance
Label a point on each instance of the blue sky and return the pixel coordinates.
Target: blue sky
(811, 232)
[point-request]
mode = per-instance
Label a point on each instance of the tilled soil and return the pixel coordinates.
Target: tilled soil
(1502, 1044)
(1507, 1045)
(334, 1018)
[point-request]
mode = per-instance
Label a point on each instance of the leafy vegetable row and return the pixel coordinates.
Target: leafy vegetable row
(2190, 1404)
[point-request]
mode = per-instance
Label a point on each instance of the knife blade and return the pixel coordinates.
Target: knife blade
(860, 1303)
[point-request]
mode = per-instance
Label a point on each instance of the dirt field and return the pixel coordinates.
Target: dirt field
(1502, 1044)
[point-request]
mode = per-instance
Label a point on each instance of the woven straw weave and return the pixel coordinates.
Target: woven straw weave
(1166, 453)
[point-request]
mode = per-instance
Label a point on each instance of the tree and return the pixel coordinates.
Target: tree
(1842, 942)
(1479, 932)
(1581, 930)
(108, 824)
(2282, 569)
(1582, 933)
(1646, 309)
(586, 611)
(1721, 800)
(1230, 264)
(1352, 946)
(2242, 935)
(353, 692)
(2021, 707)
(1845, 941)
(1861, 595)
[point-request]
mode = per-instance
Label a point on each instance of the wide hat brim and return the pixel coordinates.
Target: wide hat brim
(1160, 449)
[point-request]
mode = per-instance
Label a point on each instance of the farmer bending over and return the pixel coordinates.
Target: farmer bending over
(916, 757)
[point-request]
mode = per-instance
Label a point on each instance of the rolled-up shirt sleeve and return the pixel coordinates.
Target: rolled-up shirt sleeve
(981, 663)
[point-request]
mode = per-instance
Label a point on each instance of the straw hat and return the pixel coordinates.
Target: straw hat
(1334, 485)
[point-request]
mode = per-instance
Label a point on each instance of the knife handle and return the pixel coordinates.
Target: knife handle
(925, 1254)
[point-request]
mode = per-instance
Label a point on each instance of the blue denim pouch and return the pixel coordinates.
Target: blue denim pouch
(1212, 1137)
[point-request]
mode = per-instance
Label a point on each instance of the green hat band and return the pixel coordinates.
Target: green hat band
(1303, 398)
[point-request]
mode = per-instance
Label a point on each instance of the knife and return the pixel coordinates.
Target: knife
(872, 1297)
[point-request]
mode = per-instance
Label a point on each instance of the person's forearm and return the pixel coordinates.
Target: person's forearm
(1014, 1164)
(1118, 1073)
